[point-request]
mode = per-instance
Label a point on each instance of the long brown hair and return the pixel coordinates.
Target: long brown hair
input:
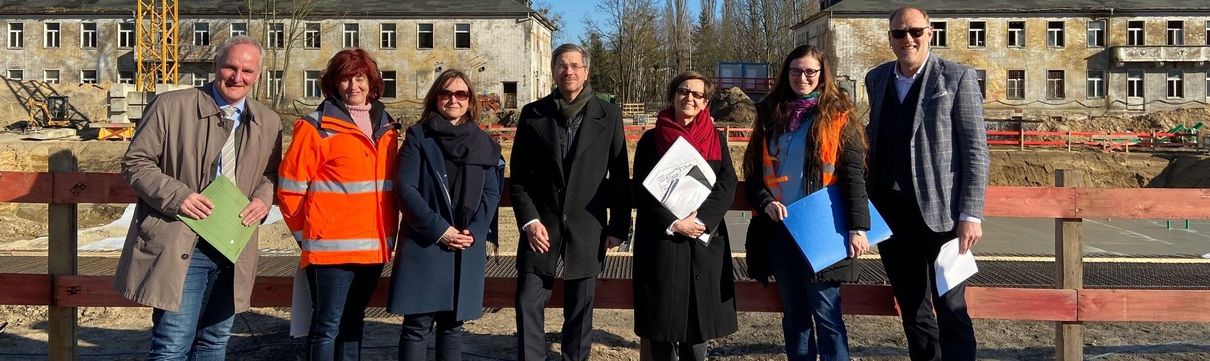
(772, 113)
(430, 99)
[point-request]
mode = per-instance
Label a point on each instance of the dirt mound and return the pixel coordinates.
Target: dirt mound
(1154, 121)
(732, 107)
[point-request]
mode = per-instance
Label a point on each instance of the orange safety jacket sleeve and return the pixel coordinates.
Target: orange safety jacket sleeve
(298, 167)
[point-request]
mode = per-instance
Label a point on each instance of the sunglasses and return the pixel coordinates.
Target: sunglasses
(796, 72)
(901, 33)
(687, 92)
(460, 95)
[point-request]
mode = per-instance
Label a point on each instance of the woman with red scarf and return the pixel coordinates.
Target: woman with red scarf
(684, 292)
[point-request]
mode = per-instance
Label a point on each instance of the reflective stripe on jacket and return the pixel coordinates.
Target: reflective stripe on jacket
(335, 188)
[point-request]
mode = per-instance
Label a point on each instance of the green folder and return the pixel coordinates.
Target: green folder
(223, 229)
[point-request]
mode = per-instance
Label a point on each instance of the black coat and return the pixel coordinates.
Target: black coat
(668, 268)
(579, 211)
(850, 177)
(428, 277)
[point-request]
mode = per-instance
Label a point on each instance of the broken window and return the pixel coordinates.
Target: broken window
(1055, 85)
(51, 36)
(424, 36)
(88, 35)
(1016, 34)
(388, 36)
(88, 76)
(1055, 34)
(126, 35)
(1176, 33)
(462, 36)
(352, 36)
(311, 38)
(201, 34)
(978, 34)
(51, 76)
(1015, 89)
(1176, 84)
(1135, 33)
(239, 29)
(939, 39)
(16, 35)
(1134, 83)
(1096, 84)
(1096, 33)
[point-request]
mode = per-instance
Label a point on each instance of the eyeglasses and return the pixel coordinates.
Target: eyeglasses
(796, 72)
(564, 67)
(687, 92)
(460, 95)
(916, 32)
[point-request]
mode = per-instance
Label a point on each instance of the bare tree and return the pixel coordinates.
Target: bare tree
(283, 24)
(630, 32)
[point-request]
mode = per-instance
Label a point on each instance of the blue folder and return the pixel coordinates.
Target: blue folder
(819, 224)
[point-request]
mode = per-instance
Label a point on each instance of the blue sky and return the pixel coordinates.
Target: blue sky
(574, 12)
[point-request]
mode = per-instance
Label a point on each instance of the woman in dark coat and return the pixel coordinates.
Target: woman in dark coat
(449, 182)
(684, 292)
(805, 138)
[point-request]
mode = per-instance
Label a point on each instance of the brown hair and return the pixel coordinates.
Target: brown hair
(772, 113)
(347, 64)
(707, 88)
(430, 99)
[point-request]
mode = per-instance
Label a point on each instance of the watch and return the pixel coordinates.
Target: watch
(858, 232)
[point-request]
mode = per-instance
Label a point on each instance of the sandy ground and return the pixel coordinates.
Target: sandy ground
(121, 333)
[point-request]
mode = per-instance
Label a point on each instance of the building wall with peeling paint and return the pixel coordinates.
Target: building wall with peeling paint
(860, 43)
(503, 50)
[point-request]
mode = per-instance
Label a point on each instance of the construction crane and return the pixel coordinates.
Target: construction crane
(157, 51)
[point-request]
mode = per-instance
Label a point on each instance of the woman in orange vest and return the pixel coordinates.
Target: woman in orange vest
(450, 174)
(803, 140)
(336, 197)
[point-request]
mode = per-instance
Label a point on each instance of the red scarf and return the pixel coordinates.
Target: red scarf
(700, 133)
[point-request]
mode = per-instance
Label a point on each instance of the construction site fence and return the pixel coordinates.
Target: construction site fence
(1021, 139)
(1068, 304)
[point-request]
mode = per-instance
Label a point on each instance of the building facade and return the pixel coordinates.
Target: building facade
(502, 45)
(1042, 59)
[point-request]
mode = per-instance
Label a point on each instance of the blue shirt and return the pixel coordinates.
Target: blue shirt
(791, 148)
(239, 112)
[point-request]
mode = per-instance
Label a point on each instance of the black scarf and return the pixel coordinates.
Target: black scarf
(569, 110)
(471, 152)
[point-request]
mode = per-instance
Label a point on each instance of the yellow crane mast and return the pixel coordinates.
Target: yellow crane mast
(157, 51)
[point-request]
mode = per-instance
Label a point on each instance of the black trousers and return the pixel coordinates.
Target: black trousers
(908, 257)
(652, 350)
(418, 329)
(533, 292)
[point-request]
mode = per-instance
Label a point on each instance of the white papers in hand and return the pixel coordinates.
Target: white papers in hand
(953, 268)
(675, 182)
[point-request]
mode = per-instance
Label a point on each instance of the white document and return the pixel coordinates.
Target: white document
(300, 306)
(952, 268)
(670, 181)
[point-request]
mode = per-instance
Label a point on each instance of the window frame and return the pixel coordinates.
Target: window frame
(1095, 38)
(388, 39)
(1019, 88)
(940, 34)
(88, 38)
(1095, 89)
(973, 34)
(1056, 37)
(351, 38)
(49, 35)
(420, 35)
(1016, 36)
(1056, 86)
(459, 33)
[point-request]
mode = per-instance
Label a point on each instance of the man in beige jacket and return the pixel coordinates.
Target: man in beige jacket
(178, 149)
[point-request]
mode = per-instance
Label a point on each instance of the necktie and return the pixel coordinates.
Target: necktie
(229, 149)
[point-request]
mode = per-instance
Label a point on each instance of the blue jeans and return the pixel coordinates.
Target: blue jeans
(811, 318)
(339, 295)
(200, 328)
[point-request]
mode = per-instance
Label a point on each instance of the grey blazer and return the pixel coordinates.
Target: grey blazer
(949, 142)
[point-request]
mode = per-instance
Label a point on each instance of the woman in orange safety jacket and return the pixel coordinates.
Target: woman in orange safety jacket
(336, 197)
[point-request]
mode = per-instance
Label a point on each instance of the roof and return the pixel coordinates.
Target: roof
(884, 7)
(328, 8)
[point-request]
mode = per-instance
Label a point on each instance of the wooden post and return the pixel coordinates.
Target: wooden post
(61, 219)
(1021, 138)
(1069, 270)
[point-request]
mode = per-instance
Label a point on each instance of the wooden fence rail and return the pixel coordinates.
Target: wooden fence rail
(1068, 304)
